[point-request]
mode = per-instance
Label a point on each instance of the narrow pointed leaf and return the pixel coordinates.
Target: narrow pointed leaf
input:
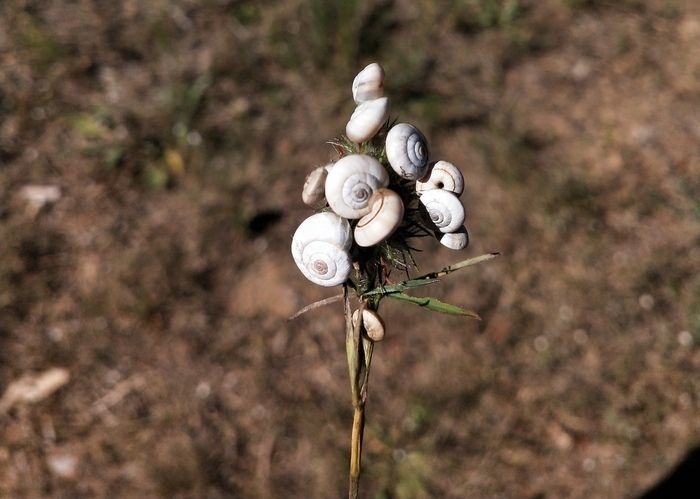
(430, 278)
(435, 305)
(401, 286)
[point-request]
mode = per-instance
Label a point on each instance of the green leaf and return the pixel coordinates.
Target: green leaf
(435, 305)
(430, 278)
(401, 286)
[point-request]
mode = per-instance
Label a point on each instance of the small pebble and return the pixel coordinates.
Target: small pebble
(646, 301)
(685, 338)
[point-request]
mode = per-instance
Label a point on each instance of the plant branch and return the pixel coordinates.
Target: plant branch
(429, 278)
(315, 305)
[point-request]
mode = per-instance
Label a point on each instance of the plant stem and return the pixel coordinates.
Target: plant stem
(358, 426)
(359, 352)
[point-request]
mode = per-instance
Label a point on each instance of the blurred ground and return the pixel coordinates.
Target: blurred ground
(151, 271)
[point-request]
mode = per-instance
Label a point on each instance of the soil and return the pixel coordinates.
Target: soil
(151, 161)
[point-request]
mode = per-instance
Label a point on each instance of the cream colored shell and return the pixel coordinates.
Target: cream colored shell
(407, 151)
(367, 119)
(314, 186)
(368, 84)
(372, 322)
(384, 218)
(443, 209)
(320, 248)
(456, 240)
(351, 183)
(442, 175)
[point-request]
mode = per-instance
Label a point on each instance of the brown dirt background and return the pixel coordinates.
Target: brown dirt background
(180, 133)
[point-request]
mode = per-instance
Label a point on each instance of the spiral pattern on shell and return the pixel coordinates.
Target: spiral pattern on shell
(442, 175)
(407, 151)
(443, 210)
(325, 263)
(320, 249)
(351, 182)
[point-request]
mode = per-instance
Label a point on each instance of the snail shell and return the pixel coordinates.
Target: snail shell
(383, 219)
(320, 249)
(314, 187)
(372, 322)
(407, 151)
(456, 240)
(443, 209)
(351, 182)
(442, 175)
(367, 119)
(368, 84)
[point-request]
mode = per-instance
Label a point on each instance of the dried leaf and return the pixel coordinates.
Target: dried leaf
(31, 389)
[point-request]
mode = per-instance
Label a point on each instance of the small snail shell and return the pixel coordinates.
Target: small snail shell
(373, 323)
(351, 182)
(320, 249)
(383, 219)
(443, 209)
(314, 187)
(368, 84)
(456, 240)
(367, 119)
(442, 175)
(407, 151)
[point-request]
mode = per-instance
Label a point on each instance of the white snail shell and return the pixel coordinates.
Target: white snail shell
(367, 119)
(407, 151)
(320, 249)
(368, 84)
(351, 182)
(442, 175)
(456, 240)
(383, 219)
(443, 209)
(373, 323)
(314, 186)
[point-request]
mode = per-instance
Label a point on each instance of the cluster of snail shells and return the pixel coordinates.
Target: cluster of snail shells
(439, 192)
(356, 188)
